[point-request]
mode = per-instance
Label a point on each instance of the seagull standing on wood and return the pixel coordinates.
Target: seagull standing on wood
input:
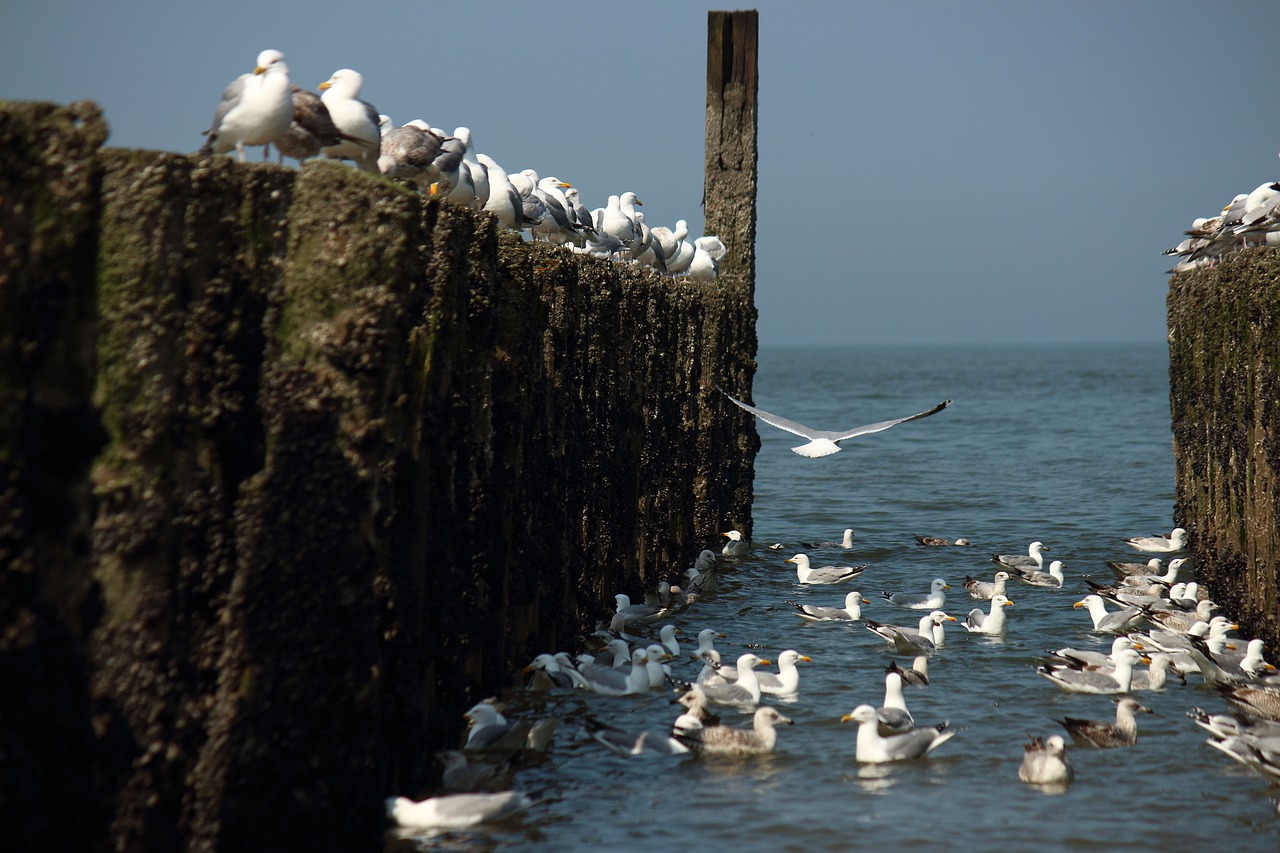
(825, 442)
(256, 109)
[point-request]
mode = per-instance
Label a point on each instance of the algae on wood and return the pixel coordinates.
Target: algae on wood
(1224, 385)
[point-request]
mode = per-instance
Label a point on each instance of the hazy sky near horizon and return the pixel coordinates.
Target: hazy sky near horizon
(952, 172)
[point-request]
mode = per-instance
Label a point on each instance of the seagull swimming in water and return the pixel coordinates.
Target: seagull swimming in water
(825, 442)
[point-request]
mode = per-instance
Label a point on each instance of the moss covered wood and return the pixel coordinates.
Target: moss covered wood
(298, 467)
(1224, 380)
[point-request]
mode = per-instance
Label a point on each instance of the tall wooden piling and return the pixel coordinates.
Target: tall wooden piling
(729, 191)
(729, 202)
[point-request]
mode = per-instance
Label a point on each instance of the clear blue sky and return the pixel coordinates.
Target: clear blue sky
(929, 171)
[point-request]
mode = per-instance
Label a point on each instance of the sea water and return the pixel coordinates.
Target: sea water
(1068, 445)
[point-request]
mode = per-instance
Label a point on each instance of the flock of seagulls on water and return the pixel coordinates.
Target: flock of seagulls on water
(264, 108)
(1163, 626)
(1249, 219)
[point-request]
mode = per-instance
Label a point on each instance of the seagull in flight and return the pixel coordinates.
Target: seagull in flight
(825, 442)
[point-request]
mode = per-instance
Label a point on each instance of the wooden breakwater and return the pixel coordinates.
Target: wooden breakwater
(294, 467)
(1224, 393)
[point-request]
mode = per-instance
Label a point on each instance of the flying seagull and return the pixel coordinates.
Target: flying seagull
(825, 442)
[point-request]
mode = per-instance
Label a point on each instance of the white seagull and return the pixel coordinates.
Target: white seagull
(989, 623)
(736, 546)
(934, 599)
(875, 749)
(456, 811)
(1044, 762)
(823, 574)
(851, 612)
(825, 442)
(256, 109)
(1175, 541)
(357, 119)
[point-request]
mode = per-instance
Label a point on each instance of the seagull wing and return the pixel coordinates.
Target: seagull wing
(785, 424)
(870, 428)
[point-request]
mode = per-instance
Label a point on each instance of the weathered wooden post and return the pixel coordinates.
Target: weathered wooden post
(725, 490)
(729, 191)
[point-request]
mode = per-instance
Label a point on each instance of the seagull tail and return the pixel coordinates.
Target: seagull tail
(817, 448)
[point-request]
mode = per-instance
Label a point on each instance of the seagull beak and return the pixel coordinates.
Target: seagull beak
(808, 659)
(1138, 646)
(846, 718)
(325, 85)
(789, 560)
(764, 662)
(1007, 603)
(1078, 604)
(259, 70)
(564, 185)
(949, 619)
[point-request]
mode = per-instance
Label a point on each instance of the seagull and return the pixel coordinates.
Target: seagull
(1044, 762)
(311, 128)
(490, 731)
(707, 641)
(1169, 576)
(846, 543)
(988, 623)
(632, 743)
(745, 692)
(353, 117)
(736, 546)
(823, 574)
(409, 152)
(728, 740)
(1033, 559)
(460, 775)
(787, 680)
(552, 675)
(504, 201)
(1259, 702)
(256, 109)
(1092, 681)
(1175, 541)
(1123, 732)
(1123, 570)
(984, 590)
(934, 599)
(938, 541)
(1113, 622)
(1052, 578)
(1085, 657)
(893, 716)
(825, 442)
(851, 612)
(611, 682)
(924, 640)
(456, 811)
(875, 749)
(708, 251)
(917, 676)
(634, 612)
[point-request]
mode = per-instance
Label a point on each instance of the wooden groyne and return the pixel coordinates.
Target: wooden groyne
(1224, 393)
(295, 466)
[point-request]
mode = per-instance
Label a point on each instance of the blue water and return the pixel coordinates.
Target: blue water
(1067, 445)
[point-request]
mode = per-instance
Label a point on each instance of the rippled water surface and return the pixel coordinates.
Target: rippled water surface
(1068, 445)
